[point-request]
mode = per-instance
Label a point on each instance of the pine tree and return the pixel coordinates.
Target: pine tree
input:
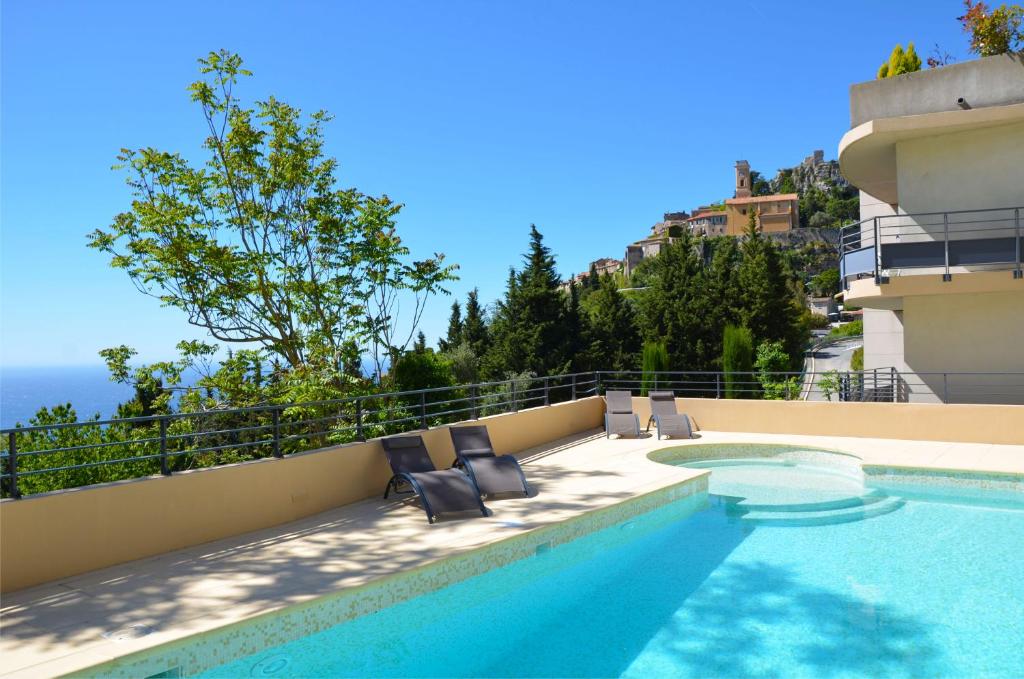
(454, 336)
(613, 336)
(528, 332)
(474, 327)
(593, 282)
(767, 304)
(420, 345)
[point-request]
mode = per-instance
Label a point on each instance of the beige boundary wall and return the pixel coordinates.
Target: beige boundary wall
(55, 535)
(962, 423)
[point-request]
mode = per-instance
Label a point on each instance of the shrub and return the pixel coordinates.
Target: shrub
(850, 329)
(900, 62)
(737, 360)
(772, 359)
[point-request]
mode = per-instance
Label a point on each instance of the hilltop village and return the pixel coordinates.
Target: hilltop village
(801, 208)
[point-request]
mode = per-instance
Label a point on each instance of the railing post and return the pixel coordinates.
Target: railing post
(718, 385)
(787, 389)
(164, 467)
(12, 463)
(574, 387)
(276, 415)
(359, 420)
(655, 381)
(597, 382)
(946, 277)
(474, 398)
(945, 388)
(1017, 273)
(878, 252)
(894, 379)
(423, 410)
(547, 392)
(515, 401)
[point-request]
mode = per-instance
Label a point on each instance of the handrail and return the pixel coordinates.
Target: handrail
(83, 453)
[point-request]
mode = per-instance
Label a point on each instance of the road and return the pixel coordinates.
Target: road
(832, 357)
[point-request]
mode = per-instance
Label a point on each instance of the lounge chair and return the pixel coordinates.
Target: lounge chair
(493, 474)
(440, 491)
(619, 417)
(664, 415)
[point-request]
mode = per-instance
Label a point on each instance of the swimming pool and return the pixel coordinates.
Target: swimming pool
(795, 564)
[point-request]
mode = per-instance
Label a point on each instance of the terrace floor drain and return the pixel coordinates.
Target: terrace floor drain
(128, 633)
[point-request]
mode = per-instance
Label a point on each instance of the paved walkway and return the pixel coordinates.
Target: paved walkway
(58, 628)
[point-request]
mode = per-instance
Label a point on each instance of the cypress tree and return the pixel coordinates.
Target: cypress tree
(737, 361)
(593, 281)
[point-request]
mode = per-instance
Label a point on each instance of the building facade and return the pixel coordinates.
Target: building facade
(935, 263)
(777, 212)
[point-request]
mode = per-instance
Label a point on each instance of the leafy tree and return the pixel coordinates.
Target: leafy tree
(737, 360)
(993, 32)
(825, 283)
(759, 186)
(454, 336)
(257, 246)
(900, 62)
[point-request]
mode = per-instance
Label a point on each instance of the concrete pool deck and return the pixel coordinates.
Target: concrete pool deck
(59, 627)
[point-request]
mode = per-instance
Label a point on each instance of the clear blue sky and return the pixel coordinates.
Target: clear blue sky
(589, 119)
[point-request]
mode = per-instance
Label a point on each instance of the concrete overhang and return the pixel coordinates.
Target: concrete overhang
(866, 293)
(867, 153)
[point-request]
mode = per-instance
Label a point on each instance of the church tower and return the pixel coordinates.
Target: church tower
(742, 179)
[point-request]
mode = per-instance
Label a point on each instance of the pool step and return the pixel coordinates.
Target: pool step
(740, 506)
(828, 517)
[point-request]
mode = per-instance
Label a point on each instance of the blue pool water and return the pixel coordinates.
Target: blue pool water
(788, 570)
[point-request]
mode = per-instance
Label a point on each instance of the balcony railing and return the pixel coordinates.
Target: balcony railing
(933, 242)
(36, 459)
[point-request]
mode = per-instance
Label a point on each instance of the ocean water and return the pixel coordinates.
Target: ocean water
(23, 390)
(928, 587)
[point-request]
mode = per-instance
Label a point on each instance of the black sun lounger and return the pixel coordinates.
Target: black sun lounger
(440, 491)
(664, 415)
(493, 474)
(619, 417)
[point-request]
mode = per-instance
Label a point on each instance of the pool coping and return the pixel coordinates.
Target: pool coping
(204, 650)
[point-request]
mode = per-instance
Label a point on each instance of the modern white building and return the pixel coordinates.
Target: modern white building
(938, 156)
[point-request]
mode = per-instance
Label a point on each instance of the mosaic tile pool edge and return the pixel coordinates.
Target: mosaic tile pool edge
(201, 651)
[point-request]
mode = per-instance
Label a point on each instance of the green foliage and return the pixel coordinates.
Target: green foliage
(529, 331)
(900, 62)
(737, 360)
(815, 321)
(612, 333)
(829, 384)
(455, 329)
(655, 359)
(993, 32)
(771, 360)
(474, 327)
(257, 246)
(422, 370)
(826, 283)
(769, 308)
(851, 329)
(857, 359)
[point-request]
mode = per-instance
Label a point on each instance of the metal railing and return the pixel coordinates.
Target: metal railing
(36, 459)
(932, 242)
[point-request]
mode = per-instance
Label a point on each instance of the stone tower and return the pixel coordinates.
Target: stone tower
(742, 179)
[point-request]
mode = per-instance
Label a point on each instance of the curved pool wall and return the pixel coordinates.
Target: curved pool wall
(198, 653)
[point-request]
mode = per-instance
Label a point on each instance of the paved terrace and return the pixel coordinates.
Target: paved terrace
(58, 628)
